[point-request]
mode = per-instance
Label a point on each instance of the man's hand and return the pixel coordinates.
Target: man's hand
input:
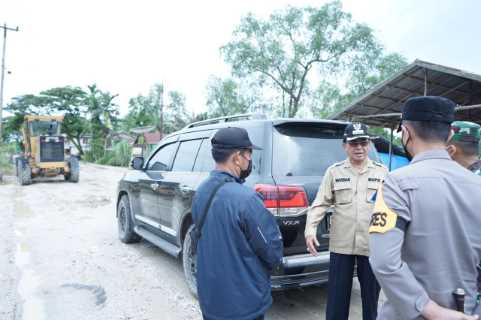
(311, 242)
(433, 311)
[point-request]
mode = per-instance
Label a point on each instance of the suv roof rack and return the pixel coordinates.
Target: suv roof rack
(238, 117)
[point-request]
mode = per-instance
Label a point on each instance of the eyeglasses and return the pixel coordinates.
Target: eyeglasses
(362, 143)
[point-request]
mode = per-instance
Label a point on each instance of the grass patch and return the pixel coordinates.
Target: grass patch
(6, 153)
(119, 155)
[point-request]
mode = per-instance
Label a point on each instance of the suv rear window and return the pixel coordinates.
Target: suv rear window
(307, 149)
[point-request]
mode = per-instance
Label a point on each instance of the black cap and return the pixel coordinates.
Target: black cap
(355, 131)
(232, 138)
(428, 108)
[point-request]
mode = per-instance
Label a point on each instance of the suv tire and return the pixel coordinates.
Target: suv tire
(189, 262)
(125, 223)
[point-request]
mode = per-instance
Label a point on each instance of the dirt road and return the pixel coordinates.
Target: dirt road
(64, 260)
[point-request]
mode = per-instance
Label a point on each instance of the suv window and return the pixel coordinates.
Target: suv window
(204, 162)
(163, 158)
(308, 149)
(185, 158)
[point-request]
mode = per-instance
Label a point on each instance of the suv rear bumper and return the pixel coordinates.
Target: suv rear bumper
(302, 270)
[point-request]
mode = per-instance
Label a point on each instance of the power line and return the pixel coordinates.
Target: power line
(5, 29)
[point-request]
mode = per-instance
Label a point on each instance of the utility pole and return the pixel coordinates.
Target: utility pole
(5, 29)
(162, 112)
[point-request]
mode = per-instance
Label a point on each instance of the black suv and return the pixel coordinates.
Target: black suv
(155, 199)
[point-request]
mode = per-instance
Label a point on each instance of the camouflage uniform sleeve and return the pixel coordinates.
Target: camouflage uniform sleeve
(386, 238)
(324, 200)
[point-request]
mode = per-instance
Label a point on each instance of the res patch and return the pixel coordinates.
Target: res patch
(383, 218)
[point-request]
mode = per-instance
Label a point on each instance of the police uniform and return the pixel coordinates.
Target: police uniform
(466, 131)
(425, 239)
(350, 192)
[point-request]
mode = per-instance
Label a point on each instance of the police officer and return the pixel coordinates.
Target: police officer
(240, 242)
(348, 186)
(464, 149)
(425, 239)
(464, 145)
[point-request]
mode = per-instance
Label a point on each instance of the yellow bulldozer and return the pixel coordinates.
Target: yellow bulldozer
(44, 153)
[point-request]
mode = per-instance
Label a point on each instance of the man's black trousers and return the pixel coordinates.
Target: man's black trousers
(341, 271)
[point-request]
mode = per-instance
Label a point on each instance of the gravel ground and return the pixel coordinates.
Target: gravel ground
(64, 260)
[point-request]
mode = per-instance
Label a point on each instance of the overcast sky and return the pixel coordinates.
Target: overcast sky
(127, 46)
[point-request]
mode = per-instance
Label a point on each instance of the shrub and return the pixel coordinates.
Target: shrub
(119, 155)
(6, 153)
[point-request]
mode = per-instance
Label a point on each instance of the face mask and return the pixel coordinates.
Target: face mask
(245, 173)
(408, 155)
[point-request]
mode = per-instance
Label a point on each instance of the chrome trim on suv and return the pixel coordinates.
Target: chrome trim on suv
(303, 260)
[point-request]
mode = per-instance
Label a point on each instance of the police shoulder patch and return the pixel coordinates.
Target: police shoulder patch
(383, 218)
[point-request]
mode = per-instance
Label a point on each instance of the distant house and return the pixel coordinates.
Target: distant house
(146, 139)
(85, 142)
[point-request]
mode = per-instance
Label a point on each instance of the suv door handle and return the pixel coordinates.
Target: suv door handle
(154, 186)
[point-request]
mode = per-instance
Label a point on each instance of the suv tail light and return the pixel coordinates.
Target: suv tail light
(283, 200)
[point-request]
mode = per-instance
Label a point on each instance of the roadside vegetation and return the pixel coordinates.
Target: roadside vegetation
(6, 153)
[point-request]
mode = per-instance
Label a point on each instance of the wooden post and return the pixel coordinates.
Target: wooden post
(390, 148)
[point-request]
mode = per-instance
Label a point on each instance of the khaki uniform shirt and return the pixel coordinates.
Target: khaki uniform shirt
(350, 192)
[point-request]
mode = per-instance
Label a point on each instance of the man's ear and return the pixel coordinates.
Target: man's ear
(235, 157)
(451, 149)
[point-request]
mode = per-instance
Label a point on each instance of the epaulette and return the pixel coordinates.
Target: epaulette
(337, 164)
(378, 164)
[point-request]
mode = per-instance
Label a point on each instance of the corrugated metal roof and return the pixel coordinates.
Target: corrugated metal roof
(382, 104)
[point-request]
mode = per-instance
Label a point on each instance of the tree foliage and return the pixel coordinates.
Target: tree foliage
(69, 101)
(103, 113)
(224, 98)
(151, 110)
(283, 50)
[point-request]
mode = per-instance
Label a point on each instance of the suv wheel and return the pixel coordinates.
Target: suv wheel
(189, 261)
(125, 223)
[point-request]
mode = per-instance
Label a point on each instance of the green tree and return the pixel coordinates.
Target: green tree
(328, 98)
(367, 75)
(151, 110)
(102, 113)
(282, 51)
(69, 101)
(176, 115)
(223, 98)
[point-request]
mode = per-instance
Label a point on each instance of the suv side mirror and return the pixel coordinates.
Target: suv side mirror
(137, 163)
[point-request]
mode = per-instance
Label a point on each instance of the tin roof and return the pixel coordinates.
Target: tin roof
(381, 106)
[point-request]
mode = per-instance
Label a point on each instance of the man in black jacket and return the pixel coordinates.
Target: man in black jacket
(240, 241)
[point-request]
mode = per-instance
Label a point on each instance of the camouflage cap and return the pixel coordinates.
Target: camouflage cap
(466, 131)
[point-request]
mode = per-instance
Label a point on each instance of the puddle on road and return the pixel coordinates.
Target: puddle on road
(97, 291)
(32, 308)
